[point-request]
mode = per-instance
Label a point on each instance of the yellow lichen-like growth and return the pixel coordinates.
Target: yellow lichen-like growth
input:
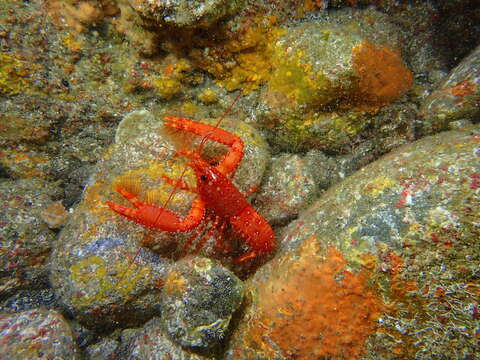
(175, 283)
(243, 62)
(13, 75)
(208, 96)
(190, 109)
(382, 75)
(294, 82)
(167, 87)
(71, 43)
(378, 185)
(170, 82)
(92, 273)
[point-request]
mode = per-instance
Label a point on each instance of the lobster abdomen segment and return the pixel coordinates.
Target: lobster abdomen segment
(255, 230)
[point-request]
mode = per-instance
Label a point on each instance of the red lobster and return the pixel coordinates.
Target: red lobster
(215, 192)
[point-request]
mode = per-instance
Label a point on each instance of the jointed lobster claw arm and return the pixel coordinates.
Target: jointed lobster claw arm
(231, 160)
(156, 217)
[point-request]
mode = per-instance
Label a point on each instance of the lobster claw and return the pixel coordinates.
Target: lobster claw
(156, 217)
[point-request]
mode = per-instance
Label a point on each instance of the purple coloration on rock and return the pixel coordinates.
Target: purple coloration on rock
(36, 334)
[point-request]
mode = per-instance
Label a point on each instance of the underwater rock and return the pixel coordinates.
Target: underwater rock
(198, 301)
(28, 299)
(104, 349)
(457, 98)
(151, 342)
(25, 238)
(329, 170)
(326, 170)
(307, 305)
(362, 3)
(23, 130)
(383, 266)
(289, 187)
(425, 58)
(330, 77)
(36, 334)
(186, 13)
(102, 278)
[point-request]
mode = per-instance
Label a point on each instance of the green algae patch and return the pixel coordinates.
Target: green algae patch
(295, 79)
(321, 130)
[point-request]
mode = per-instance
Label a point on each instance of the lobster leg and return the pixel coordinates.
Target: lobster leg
(250, 190)
(230, 162)
(156, 217)
(250, 255)
(192, 237)
(219, 242)
(205, 237)
(214, 225)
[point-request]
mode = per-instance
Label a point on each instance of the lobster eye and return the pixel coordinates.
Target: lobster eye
(203, 177)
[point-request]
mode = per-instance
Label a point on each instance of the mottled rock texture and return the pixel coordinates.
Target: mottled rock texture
(456, 98)
(36, 334)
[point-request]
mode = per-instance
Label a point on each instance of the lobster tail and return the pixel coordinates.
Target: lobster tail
(255, 230)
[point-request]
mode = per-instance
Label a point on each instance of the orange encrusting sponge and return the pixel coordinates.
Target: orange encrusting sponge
(382, 74)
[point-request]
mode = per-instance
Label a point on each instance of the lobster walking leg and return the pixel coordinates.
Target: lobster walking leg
(219, 242)
(204, 238)
(192, 237)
